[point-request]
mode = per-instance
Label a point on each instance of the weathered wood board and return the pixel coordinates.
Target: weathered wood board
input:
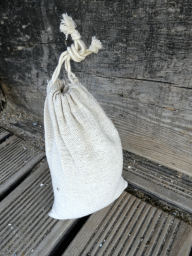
(142, 77)
(133, 228)
(2, 100)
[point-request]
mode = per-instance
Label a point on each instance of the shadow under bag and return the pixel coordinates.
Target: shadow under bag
(83, 147)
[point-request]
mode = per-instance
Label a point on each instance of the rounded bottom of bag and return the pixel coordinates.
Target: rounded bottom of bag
(56, 215)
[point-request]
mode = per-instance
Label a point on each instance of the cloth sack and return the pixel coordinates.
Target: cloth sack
(83, 147)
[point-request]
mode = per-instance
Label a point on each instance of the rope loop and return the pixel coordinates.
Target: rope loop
(77, 51)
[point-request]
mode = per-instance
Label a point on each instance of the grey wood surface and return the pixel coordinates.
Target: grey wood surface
(2, 100)
(17, 159)
(26, 228)
(142, 77)
(4, 134)
(133, 228)
(165, 184)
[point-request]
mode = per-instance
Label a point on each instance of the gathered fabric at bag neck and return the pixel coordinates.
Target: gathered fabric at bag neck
(77, 51)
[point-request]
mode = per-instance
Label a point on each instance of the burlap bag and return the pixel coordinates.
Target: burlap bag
(83, 147)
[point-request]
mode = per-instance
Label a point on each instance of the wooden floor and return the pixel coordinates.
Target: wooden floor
(26, 228)
(132, 227)
(166, 184)
(17, 158)
(129, 226)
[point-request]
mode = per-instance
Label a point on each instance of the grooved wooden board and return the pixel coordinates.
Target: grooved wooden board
(25, 227)
(3, 134)
(133, 228)
(17, 158)
(164, 183)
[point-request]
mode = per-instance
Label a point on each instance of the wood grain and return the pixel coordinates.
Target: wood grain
(2, 100)
(142, 77)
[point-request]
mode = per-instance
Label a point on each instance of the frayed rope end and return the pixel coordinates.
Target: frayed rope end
(95, 45)
(67, 25)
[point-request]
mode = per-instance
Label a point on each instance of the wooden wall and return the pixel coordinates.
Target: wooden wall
(142, 77)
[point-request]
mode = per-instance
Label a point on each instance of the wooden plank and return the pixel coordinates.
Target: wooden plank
(25, 225)
(17, 158)
(4, 134)
(143, 40)
(183, 245)
(131, 227)
(153, 122)
(2, 100)
(159, 181)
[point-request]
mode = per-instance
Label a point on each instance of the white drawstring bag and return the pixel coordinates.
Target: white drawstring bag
(83, 147)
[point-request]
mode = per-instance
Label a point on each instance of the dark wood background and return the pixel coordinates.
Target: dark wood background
(142, 77)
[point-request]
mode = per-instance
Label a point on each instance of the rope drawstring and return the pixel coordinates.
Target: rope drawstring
(76, 51)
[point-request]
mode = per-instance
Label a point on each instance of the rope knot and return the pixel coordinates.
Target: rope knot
(77, 51)
(75, 35)
(75, 54)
